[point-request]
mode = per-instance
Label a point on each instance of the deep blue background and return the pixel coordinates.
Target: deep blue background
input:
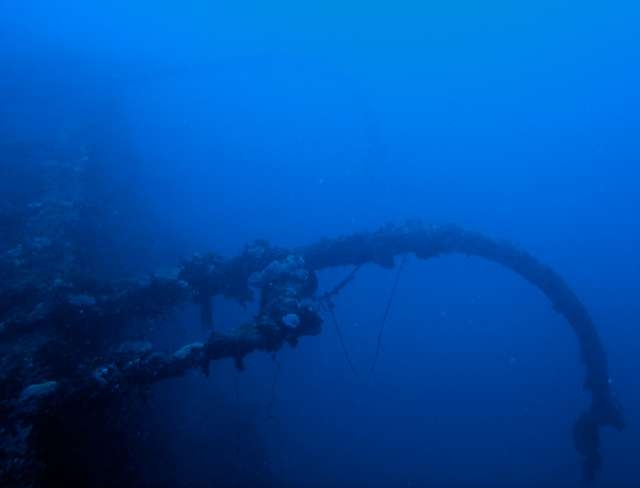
(293, 121)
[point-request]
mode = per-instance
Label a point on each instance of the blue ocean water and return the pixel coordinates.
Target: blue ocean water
(291, 122)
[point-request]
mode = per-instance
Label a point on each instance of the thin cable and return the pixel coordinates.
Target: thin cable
(274, 385)
(329, 308)
(238, 437)
(386, 314)
(236, 386)
(327, 304)
(338, 288)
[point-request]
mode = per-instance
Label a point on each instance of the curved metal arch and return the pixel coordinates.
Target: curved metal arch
(429, 242)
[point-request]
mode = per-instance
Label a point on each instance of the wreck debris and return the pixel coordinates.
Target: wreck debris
(289, 310)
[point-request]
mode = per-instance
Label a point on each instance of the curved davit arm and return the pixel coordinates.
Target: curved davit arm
(427, 242)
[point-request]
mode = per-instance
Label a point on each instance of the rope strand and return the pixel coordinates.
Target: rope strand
(386, 314)
(328, 306)
(274, 384)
